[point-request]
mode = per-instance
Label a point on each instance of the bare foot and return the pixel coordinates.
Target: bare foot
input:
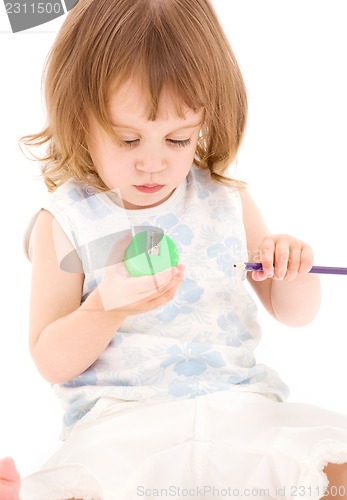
(9, 480)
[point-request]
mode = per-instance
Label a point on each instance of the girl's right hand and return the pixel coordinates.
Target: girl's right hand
(131, 295)
(134, 295)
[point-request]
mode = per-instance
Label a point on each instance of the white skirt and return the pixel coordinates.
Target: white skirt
(222, 445)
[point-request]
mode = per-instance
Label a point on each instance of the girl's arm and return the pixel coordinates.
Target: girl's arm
(66, 337)
(285, 289)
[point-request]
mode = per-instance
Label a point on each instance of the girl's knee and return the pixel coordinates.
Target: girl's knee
(337, 476)
(336, 471)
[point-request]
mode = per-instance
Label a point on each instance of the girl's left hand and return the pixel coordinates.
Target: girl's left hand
(282, 257)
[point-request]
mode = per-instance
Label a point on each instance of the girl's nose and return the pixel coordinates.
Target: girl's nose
(151, 165)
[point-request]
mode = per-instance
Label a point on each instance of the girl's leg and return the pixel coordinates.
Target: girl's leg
(9, 480)
(337, 475)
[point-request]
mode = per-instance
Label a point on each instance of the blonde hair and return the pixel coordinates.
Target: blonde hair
(174, 44)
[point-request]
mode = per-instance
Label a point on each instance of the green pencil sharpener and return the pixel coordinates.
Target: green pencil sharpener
(149, 253)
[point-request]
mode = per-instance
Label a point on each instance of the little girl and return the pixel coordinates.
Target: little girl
(162, 394)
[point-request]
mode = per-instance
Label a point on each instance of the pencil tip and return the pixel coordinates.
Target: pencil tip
(240, 266)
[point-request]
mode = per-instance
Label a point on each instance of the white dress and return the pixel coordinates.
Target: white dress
(177, 406)
(225, 444)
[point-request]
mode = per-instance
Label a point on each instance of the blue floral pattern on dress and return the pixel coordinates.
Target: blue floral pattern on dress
(189, 293)
(180, 233)
(77, 409)
(203, 189)
(235, 332)
(88, 377)
(91, 207)
(222, 252)
(192, 359)
(193, 389)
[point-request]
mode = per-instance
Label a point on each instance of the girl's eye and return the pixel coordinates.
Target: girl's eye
(178, 143)
(172, 142)
(129, 143)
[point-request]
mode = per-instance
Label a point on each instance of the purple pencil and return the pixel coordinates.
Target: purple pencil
(256, 266)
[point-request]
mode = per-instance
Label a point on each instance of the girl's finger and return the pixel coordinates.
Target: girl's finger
(157, 299)
(259, 276)
(306, 261)
(281, 260)
(145, 284)
(266, 252)
(166, 295)
(293, 263)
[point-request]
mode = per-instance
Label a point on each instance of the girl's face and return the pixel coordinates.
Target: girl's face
(154, 156)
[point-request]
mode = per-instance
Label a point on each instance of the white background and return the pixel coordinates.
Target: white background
(293, 57)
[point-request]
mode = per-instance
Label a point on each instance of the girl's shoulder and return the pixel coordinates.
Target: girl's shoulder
(201, 180)
(71, 191)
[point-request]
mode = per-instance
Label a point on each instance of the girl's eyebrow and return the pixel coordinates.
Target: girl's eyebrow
(192, 125)
(123, 125)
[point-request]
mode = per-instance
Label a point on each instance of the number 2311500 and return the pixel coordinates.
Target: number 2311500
(34, 8)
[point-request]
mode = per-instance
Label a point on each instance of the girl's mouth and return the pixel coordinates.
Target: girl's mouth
(149, 188)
